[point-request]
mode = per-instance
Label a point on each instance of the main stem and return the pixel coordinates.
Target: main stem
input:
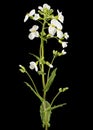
(42, 66)
(42, 56)
(46, 127)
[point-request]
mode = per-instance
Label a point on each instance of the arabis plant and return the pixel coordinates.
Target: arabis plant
(53, 25)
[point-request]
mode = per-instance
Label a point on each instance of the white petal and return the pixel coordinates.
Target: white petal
(46, 6)
(36, 34)
(36, 17)
(52, 30)
(64, 52)
(36, 68)
(59, 34)
(32, 12)
(66, 36)
(40, 8)
(58, 11)
(60, 16)
(26, 18)
(64, 44)
(31, 36)
(56, 23)
(34, 28)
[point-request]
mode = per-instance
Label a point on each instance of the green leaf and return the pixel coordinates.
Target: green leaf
(50, 80)
(45, 113)
(34, 56)
(41, 60)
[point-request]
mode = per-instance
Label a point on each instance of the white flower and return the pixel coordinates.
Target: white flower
(45, 6)
(56, 23)
(66, 36)
(60, 16)
(54, 27)
(36, 17)
(33, 66)
(64, 52)
(59, 34)
(34, 33)
(52, 30)
(32, 14)
(64, 44)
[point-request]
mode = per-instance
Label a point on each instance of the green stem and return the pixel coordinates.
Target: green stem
(42, 55)
(32, 81)
(56, 106)
(46, 127)
(42, 65)
(60, 105)
(55, 98)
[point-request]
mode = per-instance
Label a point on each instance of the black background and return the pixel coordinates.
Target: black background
(21, 105)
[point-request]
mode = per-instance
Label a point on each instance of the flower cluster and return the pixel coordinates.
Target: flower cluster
(52, 23)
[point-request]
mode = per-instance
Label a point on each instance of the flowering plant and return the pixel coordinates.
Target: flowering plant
(53, 25)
